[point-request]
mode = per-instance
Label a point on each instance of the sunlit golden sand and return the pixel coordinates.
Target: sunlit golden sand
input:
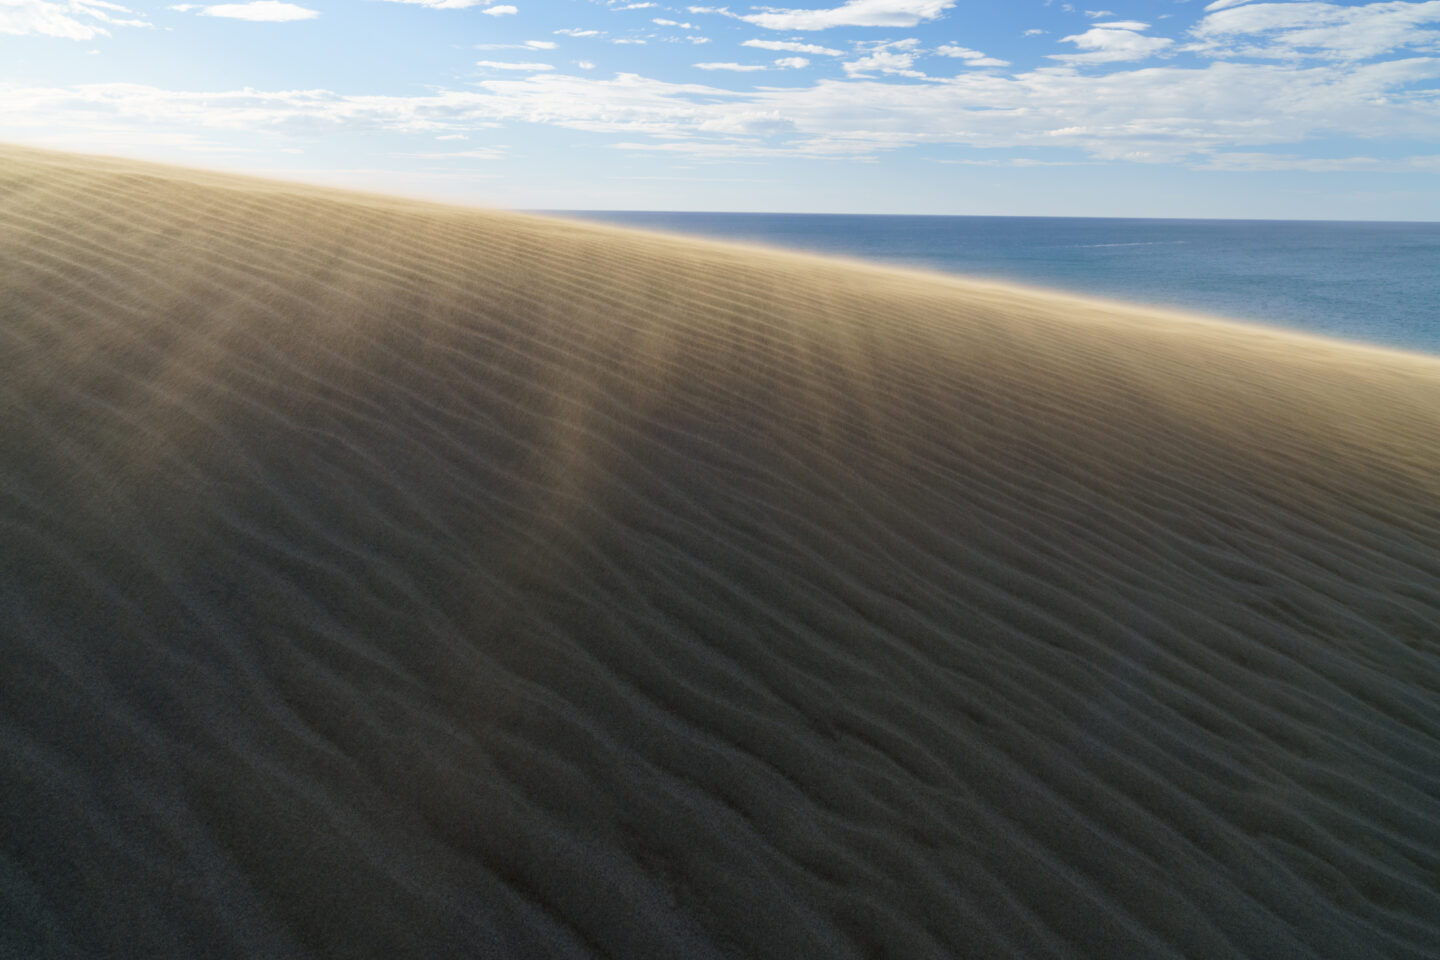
(389, 579)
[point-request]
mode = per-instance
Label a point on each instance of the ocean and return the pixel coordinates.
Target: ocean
(1373, 282)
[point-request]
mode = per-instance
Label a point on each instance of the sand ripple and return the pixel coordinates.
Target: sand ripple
(385, 579)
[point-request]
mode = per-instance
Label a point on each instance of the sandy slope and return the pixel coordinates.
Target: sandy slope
(385, 579)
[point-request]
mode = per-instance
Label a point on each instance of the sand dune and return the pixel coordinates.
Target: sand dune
(388, 579)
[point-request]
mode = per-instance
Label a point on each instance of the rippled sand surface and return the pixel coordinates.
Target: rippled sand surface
(392, 580)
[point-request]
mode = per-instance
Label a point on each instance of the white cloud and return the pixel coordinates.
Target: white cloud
(909, 43)
(972, 58)
(898, 64)
(736, 67)
(1122, 25)
(1113, 42)
(731, 150)
(576, 32)
(504, 65)
(1097, 14)
(1018, 162)
(1287, 161)
(584, 64)
(261, 11)
(1034, 32)
(792, 63)
(636, 6)
(1289, 31)
(71, 20)
(852, 13)
(479, 153)
(1171, 114)
(527, 45)
(1222, 4)
(446, 4)
(896, 58)
(790, 46)
(747, 123)
(502, 10)
(674, 23)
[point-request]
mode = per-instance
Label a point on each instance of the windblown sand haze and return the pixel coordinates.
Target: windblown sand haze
(380, 578)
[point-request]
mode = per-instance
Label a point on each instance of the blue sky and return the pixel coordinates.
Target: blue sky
(1233, 108)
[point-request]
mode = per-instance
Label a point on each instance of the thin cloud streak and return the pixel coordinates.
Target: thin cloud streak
(260, 11)
(854, 13)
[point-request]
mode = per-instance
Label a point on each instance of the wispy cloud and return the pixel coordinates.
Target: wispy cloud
(972, 58)
(896, 58)
(477, 153)
(505, 65)
(72, 20)
(725, 150)
(1291, 31)
(790, 46)
(1112, 43)
(260, 11)
(853, 13)
(1288, 161)
(527, 45)
(734, 67)
(456, 5)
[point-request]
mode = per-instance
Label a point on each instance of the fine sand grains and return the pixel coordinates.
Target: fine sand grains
(387, 579)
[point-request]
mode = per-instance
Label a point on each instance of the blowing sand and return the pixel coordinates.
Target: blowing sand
(395, 580)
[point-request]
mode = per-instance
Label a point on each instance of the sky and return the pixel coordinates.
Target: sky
(1136, 108)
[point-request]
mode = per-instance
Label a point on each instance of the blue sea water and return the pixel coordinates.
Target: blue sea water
(1373, 282)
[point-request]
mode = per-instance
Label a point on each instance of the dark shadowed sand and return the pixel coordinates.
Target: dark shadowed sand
(392, 580)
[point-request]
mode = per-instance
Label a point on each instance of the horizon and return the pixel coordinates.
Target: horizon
(1234, 110)
(963, 216)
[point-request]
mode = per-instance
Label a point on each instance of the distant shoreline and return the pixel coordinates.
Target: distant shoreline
(1366, 281)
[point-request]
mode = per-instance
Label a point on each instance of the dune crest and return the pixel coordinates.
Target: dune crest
(389, 579)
